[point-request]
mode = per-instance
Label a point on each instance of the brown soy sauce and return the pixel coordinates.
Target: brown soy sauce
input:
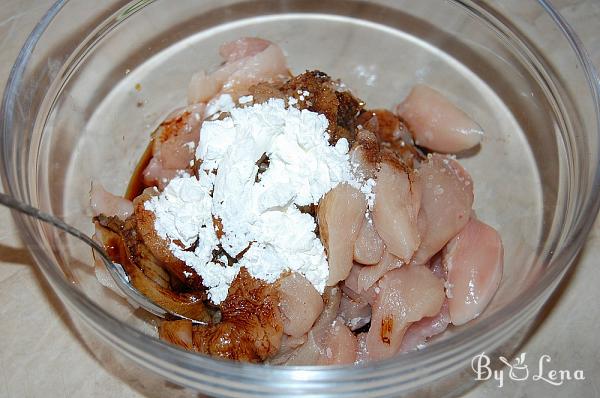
(136, 184)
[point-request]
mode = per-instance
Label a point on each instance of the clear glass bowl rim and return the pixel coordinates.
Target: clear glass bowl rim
(160, 356)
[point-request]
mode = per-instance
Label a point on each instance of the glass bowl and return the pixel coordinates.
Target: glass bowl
(93, 80)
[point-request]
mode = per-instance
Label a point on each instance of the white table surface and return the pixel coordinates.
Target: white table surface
(40, 356)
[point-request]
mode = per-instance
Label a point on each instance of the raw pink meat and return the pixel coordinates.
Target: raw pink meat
(300, 305)
(418, 333)
(241, 48)
(446, 200)
(368, 248)
(397, 204)
(340, 345)
(474, 260)
(104, 202)
(341, 214)
(406, 296)
(370, 274)
(248, 62)
(355, 314)
(174, 145)
(436, 123)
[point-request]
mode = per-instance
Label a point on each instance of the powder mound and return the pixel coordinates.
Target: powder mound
(260, 225)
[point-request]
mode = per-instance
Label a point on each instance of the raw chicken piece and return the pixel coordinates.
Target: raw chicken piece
(350, 287)
(370, 274)
(290, 343)
(362, 354)
(474, 260)
(248, 62)
(436, 123)
(364, 155)
(445, 204)
(354, 313)
(351, 281)
(311, 352)
(155, 174)
(203, 87)
(268, 65)
(397, 203)
(406, 295)
(341, 214)
(174, 145)
(340, 345)
(368, 248)
(419, 332)
(437, 267)
(332, 298)
(288, 348)
(174, 142)
(241, 48)
(308, 353)
(300, 305)
(104, 202)
(333, 345)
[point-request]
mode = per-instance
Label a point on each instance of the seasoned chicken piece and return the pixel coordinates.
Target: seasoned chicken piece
(383, 123)
(177, 333)
(104, 202)
(392, 134)
(436, 123)
(341, 214)
(121, 242)
(251, 327)
(340, 107)
(174, 145)
(145, 227)
(474, 260)
(365, 155)
(145, 272)
(446, 200)
(262, 92)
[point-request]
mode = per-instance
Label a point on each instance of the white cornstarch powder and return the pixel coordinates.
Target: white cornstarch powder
(245, 99)
(368, 188)
(222, 103)
(259, 214)
(183, 214)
